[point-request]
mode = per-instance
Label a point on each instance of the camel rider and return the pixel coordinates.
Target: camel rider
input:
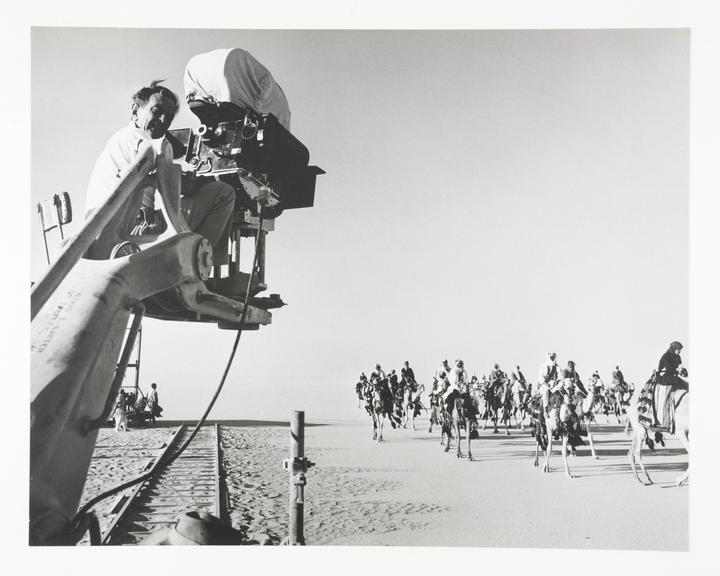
(618, 380)
(394, 384)
(571, 374)
(361, 383)
(548, 371)
(459, 376)
(570, 420)
(434, 391)
(547, 375)
(520, 377)
(669, 376)
(444, 367)
(380, 373)
(459, 382)
(407, 374)
(444, 387)
(496, 374)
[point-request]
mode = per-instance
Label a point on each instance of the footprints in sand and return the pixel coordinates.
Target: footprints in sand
(340, 500)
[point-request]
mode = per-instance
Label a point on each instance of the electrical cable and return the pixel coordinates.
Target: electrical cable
(76, 524)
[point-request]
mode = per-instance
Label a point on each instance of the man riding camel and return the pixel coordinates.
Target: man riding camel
(444, 388)
(458, 388)
(407, 374)
(547, 375)
(394, 384)
(618, 380)
(668, 375)
(444, 367)
(519, 376)
(496, 374)
(379, 372)
(572, 378)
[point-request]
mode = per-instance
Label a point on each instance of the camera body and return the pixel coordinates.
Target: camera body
(251, 151)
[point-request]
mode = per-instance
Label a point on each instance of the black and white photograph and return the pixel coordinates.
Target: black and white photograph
(363, 286)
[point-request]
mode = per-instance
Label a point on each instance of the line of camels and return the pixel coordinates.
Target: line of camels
(502, 400)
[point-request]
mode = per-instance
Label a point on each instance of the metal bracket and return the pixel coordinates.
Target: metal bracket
(297, 465)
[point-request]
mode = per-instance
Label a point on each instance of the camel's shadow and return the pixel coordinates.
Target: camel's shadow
(625, 469)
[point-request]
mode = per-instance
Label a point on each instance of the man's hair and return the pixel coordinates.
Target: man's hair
(143, 95)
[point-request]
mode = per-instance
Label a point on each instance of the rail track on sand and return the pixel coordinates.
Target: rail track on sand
(194, 481)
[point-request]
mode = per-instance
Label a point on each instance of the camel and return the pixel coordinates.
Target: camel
(368, 392)
(623, 396)
(612, 405)
(398, 406)
(497, 399)
(584, 410)
(560, 414)
(544, 432)
(412, 405)
(520, 400)
(359, 391)
(453, 420)
(681, 417)
(435, 410)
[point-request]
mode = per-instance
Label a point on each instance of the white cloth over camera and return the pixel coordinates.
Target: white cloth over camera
(234, 75)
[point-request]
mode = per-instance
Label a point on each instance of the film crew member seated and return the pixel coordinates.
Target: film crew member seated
(241, 164)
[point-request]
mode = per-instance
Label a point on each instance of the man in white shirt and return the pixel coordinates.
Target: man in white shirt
(547, 374)
(206, 204)
(459, 377)
(444, 367)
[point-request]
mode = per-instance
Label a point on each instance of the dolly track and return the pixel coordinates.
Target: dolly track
(192, 482)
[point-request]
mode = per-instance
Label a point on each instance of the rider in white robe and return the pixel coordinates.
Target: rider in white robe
(547, 377)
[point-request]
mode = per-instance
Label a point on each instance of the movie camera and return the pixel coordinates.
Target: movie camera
(252, 152)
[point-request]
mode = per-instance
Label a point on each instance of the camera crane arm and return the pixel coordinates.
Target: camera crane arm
(80, 311)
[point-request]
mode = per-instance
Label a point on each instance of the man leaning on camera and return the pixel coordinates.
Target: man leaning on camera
(206, 205)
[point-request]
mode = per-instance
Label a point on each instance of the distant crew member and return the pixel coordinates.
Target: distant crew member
(120, 415)
(153, 404)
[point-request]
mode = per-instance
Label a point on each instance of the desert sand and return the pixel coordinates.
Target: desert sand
(407, 491)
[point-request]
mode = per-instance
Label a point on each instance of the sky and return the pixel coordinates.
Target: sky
(490, 195)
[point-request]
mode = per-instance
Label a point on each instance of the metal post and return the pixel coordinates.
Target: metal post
(261, 257)
(297, 465)
(44, 230)
(297, 490)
